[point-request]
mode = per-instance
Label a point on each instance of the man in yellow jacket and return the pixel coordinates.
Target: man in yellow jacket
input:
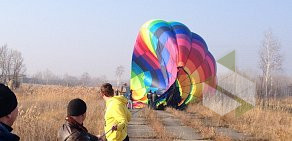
(116, 116)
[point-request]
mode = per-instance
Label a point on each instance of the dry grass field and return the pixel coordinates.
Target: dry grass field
(262, 123)
(157, 125)
(42, 110)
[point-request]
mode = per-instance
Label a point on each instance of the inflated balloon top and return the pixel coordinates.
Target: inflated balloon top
(172, 62)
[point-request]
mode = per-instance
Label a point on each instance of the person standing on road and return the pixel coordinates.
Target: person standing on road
(130, 100)
(149, 97)
(117, 116)
(153, 99)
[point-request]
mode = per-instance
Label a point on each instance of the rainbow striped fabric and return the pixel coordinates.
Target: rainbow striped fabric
(171, 61)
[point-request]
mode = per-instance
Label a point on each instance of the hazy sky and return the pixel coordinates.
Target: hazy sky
(73, 36)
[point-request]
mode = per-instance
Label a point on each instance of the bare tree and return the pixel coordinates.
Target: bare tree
(11, 66)
(37, 78)
(119, 72)
(270, 62)
(18, 67)
(70, 80)
(85, 79)
(3, 63)
(100, 80)
(8, 67)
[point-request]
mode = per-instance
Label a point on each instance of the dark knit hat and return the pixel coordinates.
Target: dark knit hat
(8, 101)
(76, 107)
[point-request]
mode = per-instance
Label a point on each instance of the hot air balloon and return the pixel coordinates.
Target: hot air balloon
(171, 61)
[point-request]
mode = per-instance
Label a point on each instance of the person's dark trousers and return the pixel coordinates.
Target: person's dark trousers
(126, 139)
(149, 104)
(153, 106)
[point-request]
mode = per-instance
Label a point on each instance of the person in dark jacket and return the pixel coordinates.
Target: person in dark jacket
(8, 113)
(149, 97)
(154, 97)
(73, 129)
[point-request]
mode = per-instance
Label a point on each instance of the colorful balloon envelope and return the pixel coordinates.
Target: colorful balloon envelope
(173, 63)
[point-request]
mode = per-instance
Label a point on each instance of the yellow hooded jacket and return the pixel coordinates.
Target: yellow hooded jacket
(117, 113)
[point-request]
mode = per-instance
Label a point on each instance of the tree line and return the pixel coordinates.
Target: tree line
(47, 77)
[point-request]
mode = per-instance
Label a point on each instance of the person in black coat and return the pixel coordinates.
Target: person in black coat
(149, 97)
(154, 97)
(73, 129)
(8, 113)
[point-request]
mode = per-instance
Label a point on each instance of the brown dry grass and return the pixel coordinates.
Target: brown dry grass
(42, 110)
(262, 123)
(157, 125)
(206, 131)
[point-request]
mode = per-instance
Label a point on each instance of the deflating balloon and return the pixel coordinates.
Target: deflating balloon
(171, 61)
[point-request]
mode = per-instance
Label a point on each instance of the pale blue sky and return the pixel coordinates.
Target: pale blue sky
(96, 36)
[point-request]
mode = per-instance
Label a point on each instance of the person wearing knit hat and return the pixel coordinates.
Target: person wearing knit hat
(73, 129)
(8, 113)
(76, 107)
